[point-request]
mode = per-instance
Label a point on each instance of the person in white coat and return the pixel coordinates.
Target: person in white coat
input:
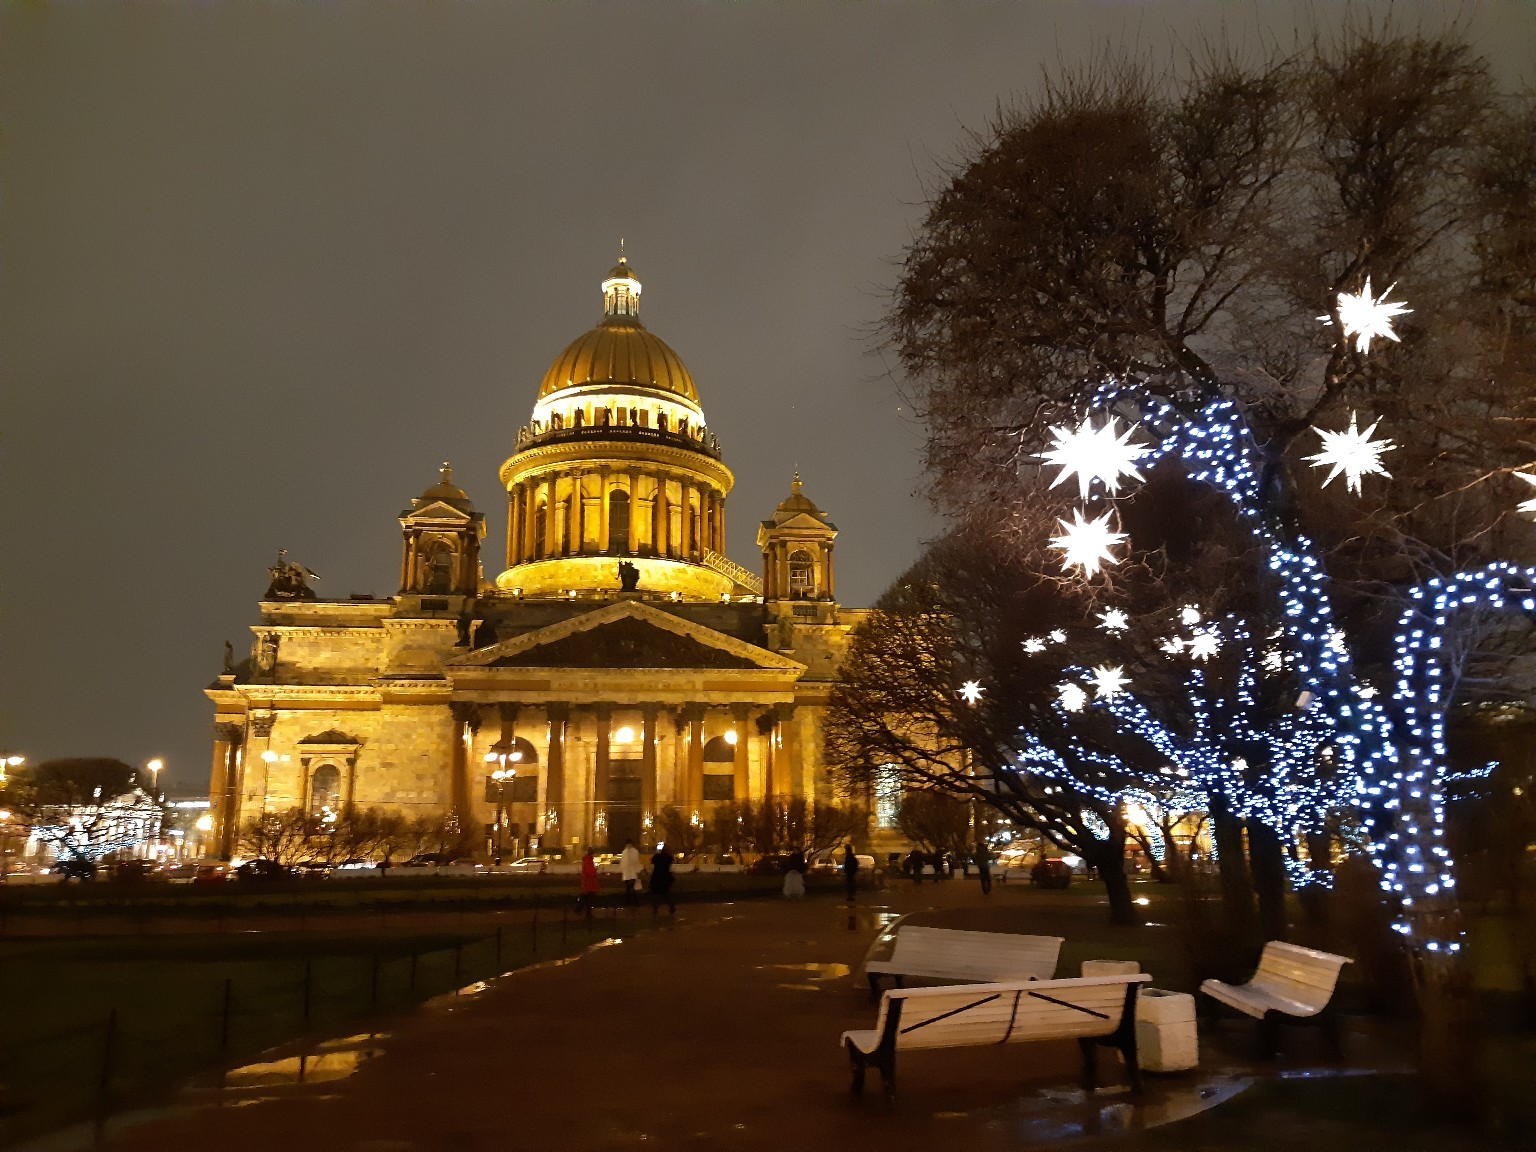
(629, 869)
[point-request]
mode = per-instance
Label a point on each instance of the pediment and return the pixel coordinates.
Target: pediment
(438, 510)
(629, 634)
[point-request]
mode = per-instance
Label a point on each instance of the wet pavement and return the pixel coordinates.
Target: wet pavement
(719, 1030)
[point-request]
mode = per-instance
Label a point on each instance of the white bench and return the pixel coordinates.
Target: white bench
(1291, 981)
(952, 955)
(1096, 1011)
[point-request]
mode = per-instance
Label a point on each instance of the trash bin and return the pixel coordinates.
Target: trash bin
(1166, 1040)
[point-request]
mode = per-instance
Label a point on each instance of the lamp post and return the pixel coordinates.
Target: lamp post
(153, 768)
(8, 762)
(500, 756)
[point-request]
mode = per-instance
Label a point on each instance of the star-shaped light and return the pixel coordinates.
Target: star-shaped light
(1114, 620)
(1353, 453)
(1058, 637)
(971, 691)
(1337, 641)
(1109, 682)
(1205, 644)
(1365, 317)
(1173, 645)
(1189, 614)
(1274, 661)
(1085, 544)
(1091, 454)
(1072, 697)
(1528, 506)
(1033, 645)
(1366, 692)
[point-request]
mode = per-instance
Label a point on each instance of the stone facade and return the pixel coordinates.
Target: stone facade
(618, 666)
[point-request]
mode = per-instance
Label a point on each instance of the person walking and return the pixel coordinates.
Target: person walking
(851, 872)
(589, 884)
(794, 875)
(984, 867)
(915, 866)
(661, 880)
(629, 869)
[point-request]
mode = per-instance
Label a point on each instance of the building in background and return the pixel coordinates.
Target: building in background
(618, 664)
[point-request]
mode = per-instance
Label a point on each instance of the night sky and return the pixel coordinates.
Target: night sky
(264, 266)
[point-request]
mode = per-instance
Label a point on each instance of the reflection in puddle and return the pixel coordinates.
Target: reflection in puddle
(331, 1060)
(815, 972)
(1055, 1114)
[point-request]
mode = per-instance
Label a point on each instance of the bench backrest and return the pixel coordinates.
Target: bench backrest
(1300, 974)
(1002, 1013)
(977, 955)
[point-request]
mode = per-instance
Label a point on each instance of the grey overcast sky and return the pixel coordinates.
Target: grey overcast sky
(264, 265)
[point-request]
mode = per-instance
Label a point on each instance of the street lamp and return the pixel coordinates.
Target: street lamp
(500, 756)
(154, 767)
(10, 762)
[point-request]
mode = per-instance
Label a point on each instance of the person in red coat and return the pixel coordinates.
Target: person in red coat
(589, 884)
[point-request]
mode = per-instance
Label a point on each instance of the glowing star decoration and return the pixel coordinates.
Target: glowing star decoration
(1353, 453)
(1365, 317)
(971, 691)
(1033, 645)
(1205, 644)
(1527, 506)
(1091, 454)
(1072, 697)
(1109, 682)
(1189, 614)
(1085, 544)
(1173, 645)
(1058, 637)
(1114, 620)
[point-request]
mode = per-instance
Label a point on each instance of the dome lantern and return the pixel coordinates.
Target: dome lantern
(621, 293)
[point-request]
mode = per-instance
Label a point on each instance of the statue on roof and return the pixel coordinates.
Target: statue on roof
(289, 580)
(629, 576)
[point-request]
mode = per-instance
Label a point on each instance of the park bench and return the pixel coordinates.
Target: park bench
(1096, 1011)
(952, 955)
(1290, 981)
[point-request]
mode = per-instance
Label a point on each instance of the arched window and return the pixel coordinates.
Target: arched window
(719, 751)
(324, 790)
(618, 521)
(438, 574)
(802, 575)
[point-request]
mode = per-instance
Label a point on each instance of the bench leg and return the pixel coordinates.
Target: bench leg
(1269, 1036)
(1328, 1021)
(1090, 1063)
(874, 985)
(856, 1059)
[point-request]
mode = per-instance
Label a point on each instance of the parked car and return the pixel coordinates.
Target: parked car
(1051, 874)
(526, 864)
(74, 868)
(428, 860)
(210, 875)
(310, 870)
(263, 870)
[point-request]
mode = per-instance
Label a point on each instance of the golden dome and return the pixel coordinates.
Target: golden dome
(620, 351)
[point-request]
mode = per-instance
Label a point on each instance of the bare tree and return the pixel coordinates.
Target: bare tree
(83, 808)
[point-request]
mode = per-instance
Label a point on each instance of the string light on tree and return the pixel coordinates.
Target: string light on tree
(1086, 544)
(1366, 317)
(1091, 454)
(1114, 621)
(1352, 453)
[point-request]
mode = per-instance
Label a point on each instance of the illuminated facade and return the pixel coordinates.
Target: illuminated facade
(619, 665)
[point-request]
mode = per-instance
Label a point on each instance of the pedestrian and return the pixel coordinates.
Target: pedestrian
(589, 884)
(984, 867)
(661, 880)
(794, 875)
(915, 866)
(629, 869)
(851, 872)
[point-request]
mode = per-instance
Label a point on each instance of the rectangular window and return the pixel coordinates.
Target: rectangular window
(887, 795)
(718, 786)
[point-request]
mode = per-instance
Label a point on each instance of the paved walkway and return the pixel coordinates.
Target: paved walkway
(717, 1031)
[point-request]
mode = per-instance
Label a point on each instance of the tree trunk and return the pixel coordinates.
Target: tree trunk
(1109, 859)
(1315, 898)
(1450, 1039)
(1236, 884)
(1267, 859)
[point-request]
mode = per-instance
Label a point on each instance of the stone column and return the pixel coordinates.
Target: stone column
(600, 775)
(739, 766)
(531, 521)
(466, 721)
(573, 516)
(659, 519)
(634, 514)
(512, 526)
(827, 590)
(604, 495)
(222, 790)
(794, 752)
(693, 788)
(543, 545)
(554, 772)
(648, 766)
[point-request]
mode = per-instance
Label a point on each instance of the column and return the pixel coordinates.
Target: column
(648, 766)
(554, 773)
(659, 518)
(573, 516)
(739, 765)
(466, 721)
(406, 555)
(720, 524)
(827, 590)
(692, 790)
(220, 792)
(512, 526)
(543, 546)
(791, 751)
(531, 521)
(634, 513)
(600, 775)
(603, 482)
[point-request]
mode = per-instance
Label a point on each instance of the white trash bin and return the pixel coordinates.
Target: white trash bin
(1166, 1040)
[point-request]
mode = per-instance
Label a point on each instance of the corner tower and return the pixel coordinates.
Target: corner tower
(618, 464)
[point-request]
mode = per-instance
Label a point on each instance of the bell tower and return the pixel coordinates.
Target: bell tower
(797, 550)
(442, 532)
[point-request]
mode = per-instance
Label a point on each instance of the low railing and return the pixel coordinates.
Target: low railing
(734, 571)
(706, 444)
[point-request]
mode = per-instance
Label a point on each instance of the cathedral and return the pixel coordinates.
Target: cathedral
(618, 665)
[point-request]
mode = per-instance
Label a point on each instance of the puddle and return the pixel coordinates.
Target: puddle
(327, 1061)
(817, 973)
